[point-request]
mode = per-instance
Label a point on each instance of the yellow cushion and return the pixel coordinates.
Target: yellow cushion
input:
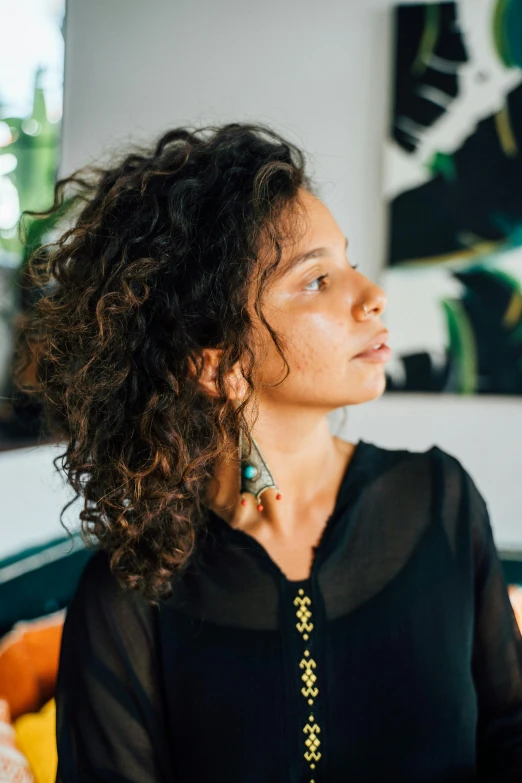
(36, 739)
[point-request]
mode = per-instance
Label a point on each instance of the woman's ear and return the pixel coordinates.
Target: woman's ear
(234, 381)
(207, 379)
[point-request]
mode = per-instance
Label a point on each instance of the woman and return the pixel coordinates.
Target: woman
(267, 602)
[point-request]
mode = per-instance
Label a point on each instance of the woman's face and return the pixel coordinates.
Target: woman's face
(316, 306)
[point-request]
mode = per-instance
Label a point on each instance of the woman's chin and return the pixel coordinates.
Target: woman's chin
(371, 387)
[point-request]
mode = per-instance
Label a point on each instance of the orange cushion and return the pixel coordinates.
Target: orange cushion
(29, 656)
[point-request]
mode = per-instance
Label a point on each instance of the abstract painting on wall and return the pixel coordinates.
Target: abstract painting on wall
(453, 184)
(31, 102)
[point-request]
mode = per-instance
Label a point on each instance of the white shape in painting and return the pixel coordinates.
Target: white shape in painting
(509, 261)
(484, 82)
(414, 314)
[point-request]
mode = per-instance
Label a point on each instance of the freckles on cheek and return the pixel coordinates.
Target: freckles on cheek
(317, 344)
(315, 355)
(302, 359)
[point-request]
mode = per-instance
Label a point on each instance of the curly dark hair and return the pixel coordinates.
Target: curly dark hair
(158, 263)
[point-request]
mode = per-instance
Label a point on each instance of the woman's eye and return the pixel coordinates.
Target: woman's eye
(321, 278)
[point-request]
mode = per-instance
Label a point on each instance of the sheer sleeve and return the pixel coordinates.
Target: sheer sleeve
(109, 723)
(497, 655)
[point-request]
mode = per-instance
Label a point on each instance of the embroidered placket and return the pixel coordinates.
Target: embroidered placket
(309, 690)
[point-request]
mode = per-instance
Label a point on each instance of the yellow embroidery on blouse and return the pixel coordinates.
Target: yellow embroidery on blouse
(309, 690)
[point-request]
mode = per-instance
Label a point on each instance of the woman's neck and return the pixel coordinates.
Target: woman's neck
(307, 465)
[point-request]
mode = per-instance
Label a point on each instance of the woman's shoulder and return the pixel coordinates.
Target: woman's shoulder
(109, 651)
(97, 578)
(420, 471)
(99, 594)
(432, 472)
(429, 456)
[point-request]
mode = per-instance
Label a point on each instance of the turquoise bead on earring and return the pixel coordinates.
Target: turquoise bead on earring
(250, 471)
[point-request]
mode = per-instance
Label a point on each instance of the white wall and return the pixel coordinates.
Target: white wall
(320, 73)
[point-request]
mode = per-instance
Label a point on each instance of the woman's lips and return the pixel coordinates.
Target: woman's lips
(382, 354)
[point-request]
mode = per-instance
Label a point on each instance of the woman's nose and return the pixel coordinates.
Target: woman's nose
(373, 302)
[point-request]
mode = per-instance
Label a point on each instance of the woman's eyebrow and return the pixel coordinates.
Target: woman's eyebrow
(296, 261)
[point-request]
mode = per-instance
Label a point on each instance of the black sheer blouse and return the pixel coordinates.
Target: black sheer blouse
(399, 659)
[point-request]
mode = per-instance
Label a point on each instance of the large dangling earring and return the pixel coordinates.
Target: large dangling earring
(254, 473)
